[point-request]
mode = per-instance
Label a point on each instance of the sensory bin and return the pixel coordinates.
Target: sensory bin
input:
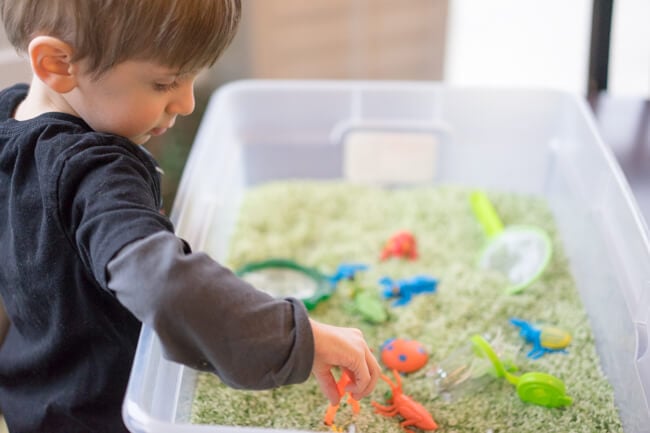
(324, 224)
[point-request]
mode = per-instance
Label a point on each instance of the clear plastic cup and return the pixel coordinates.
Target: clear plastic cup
(465, 371)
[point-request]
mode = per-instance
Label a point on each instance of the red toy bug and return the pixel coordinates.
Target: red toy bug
(401, 244)
(413, 412)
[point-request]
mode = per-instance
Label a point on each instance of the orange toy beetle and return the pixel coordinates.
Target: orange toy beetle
(340, 386)
(413, 412)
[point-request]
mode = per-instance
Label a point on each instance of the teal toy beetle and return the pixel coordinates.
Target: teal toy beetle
(545, 339)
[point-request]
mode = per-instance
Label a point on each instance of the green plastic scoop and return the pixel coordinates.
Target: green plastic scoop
(536, 388)
(519, 252)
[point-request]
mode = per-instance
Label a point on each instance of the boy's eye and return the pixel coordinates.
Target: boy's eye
(165, 87)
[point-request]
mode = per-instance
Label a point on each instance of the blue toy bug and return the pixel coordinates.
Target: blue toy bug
(346, 271)
(545, 339)
(404, 289)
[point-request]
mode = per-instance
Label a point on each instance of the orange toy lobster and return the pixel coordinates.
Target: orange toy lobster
(401, 244)
(340, 386)
(413, 412)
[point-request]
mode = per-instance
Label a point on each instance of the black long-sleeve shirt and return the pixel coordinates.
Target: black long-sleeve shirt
(85, 255)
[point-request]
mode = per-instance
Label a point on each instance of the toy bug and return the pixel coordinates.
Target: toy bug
(346, 271)
(332, 409)
(405, 289)
(405, 356)
(414, 413)
(545, 339)
(368, 306)
(363, 302)
(401, 244)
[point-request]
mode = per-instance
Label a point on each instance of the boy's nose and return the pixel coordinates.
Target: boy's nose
(182, 102)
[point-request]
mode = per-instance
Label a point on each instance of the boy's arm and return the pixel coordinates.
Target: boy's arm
(209, 319)
(205, 316)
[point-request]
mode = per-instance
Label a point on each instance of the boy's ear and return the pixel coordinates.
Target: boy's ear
(51, 60)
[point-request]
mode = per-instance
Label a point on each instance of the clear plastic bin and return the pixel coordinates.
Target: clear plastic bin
(537, 142)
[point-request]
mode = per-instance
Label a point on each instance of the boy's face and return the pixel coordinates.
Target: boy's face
(135, 99)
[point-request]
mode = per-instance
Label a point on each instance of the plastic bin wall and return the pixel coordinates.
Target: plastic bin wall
(536, 142)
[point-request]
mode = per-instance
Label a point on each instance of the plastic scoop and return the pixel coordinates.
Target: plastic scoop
(519, 252)
(536, 388)
(466, 371)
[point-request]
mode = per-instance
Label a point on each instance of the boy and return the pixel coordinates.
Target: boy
(86, 255)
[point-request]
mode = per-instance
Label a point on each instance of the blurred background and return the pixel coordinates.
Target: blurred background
(597, 49)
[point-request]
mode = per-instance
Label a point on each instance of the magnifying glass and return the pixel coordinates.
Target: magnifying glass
(519, 252)
(283, 277)
(537, 388)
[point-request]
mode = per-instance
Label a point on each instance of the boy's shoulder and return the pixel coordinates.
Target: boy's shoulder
(59, 153)
(10, 98)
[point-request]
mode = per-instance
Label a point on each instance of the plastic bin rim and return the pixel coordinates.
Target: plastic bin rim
(388, 85)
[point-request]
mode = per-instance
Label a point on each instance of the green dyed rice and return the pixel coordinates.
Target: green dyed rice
(323, 224)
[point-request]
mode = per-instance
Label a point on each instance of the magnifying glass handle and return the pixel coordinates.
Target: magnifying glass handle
(485, 213)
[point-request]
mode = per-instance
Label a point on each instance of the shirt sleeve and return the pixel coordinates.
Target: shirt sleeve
(209, 319)
(107, 196)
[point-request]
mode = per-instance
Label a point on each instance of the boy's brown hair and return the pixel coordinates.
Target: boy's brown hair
(184, 34)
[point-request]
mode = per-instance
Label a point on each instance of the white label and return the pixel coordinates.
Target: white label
(389, 157)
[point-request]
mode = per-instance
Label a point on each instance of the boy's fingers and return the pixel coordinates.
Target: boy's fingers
(360, 378)
(364, 384)
(328, 386)
(374, 369)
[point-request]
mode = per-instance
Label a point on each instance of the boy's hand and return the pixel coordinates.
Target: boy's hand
(345, 348)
